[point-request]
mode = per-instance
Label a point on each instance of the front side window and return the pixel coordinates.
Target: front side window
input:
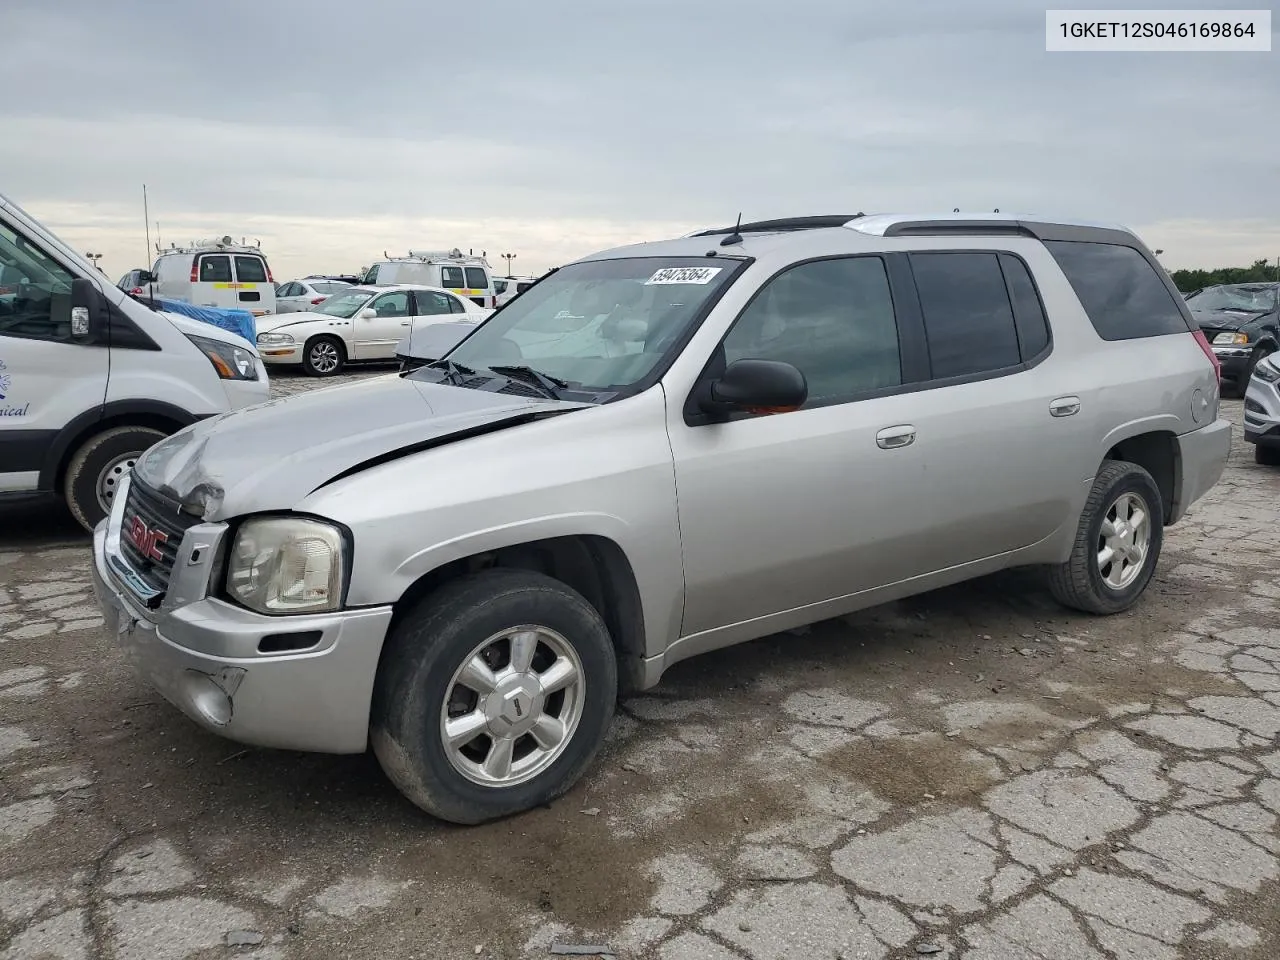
(35, 290)
(602, 326)
(452, 278)
(1122, 294)
(251, 270)
(392, 304)
(477, 279)
(833, 320)
(345, 305)
(215, 269)
(968, 318)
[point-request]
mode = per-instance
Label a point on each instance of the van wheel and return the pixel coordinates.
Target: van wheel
(94, 473)
(493, 695)
(1117, 542)
(324, 356)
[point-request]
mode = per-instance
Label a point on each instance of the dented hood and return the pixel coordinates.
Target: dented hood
(272, 455)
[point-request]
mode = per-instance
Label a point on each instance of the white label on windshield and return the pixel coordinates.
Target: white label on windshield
(684, 275)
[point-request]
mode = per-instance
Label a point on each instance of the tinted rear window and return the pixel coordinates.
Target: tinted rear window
(968, 318)
(1120, 291)
(477, 279)
(251, 270)
(1028, 311)
(451, 277)
(215, 269)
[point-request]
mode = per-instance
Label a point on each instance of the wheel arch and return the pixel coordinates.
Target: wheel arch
(1153, 445)
(153, 414)
(594, 565)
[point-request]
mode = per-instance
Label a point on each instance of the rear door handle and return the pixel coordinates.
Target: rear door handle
(1064, 407)
(900, 436)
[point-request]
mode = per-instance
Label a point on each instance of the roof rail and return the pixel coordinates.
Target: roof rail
(973, 224)
(784, 225)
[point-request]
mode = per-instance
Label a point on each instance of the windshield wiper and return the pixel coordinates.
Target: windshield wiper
(452, 369)
(550, 385)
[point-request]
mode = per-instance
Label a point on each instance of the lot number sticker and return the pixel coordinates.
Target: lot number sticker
(684, 275)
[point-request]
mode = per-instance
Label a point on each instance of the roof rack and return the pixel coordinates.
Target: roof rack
(785, 225)
(973, 224)
(217, 244)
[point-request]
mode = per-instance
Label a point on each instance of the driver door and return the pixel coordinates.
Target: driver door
(375, 337)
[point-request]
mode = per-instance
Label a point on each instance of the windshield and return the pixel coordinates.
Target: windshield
(1253, 297)
(345, 305)
(602, 325)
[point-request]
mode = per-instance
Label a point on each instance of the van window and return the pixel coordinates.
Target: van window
(215, 268)
(499, 286)
(968, 318)
(251, 270)
(452, 278)
(371, 277)
(477, 279)
(1123, 296)
(35, 291)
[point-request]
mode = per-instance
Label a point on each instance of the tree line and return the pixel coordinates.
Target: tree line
(1260, 271)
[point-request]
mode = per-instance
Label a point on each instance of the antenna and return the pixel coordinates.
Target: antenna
(146, 222)
(736, 236)
(996, 210)
(956, 210)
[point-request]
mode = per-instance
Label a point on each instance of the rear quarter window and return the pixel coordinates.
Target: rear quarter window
(477, 279)
(1120, 291)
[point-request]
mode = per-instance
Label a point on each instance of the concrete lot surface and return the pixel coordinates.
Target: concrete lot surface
(973, 773)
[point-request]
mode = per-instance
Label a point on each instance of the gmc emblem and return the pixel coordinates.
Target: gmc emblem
(147, 541)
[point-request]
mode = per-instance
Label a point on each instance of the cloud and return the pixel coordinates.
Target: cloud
(555, 128)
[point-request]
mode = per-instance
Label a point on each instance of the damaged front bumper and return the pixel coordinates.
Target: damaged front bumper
(215, 662)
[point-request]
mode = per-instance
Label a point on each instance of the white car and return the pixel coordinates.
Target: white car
(360, 323)
(299, 296)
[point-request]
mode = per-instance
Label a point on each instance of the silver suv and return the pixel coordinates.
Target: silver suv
(653, 452)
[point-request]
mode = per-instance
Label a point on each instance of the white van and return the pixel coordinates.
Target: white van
(216, 273)
(465, 274)
(91, 377)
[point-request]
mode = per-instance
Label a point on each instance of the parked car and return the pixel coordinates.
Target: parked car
(506, 289)
(299, 296)
(1262, 411)
(359, 323)
(657, 451)
(215, 273)
(1242, 322)
(133, 282)
(90, 377)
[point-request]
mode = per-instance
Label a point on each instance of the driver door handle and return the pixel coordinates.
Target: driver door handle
(890, 438)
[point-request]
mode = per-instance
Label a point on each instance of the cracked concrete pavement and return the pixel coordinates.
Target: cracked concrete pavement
(973, 773)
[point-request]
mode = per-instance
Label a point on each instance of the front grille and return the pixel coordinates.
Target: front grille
(150, 533)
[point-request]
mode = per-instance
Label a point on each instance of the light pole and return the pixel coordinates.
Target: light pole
(95, 257)
(508, 257)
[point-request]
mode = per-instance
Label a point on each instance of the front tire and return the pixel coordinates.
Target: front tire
(493, 696)
(323, 356)
(1267, 456)
(96, 469)
(1117, 542)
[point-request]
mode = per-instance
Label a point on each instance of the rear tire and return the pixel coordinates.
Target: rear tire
(323, 356)
(1267, 456)
(530, 738)
(1085, 582)
(96, 469)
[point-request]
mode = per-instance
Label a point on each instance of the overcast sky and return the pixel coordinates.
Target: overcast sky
(335, 131)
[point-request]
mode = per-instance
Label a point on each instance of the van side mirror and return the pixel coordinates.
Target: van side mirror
(757, 386)
(87, 309)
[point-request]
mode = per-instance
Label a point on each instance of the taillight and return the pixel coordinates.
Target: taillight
(1208, 352)
(317, 300)
(136, 291)
(270, 278)
(195, 269)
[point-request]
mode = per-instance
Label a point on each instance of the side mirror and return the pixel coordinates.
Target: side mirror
(86, 309)
(368, 314)
(146, 276)
(760, 386)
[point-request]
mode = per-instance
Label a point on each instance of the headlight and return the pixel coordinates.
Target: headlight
(274, 339)
(1266, 371)
(231, 362)
(1224, 339)
(287, 565)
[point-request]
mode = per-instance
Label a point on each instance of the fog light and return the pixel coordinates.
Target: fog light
(211, 699)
